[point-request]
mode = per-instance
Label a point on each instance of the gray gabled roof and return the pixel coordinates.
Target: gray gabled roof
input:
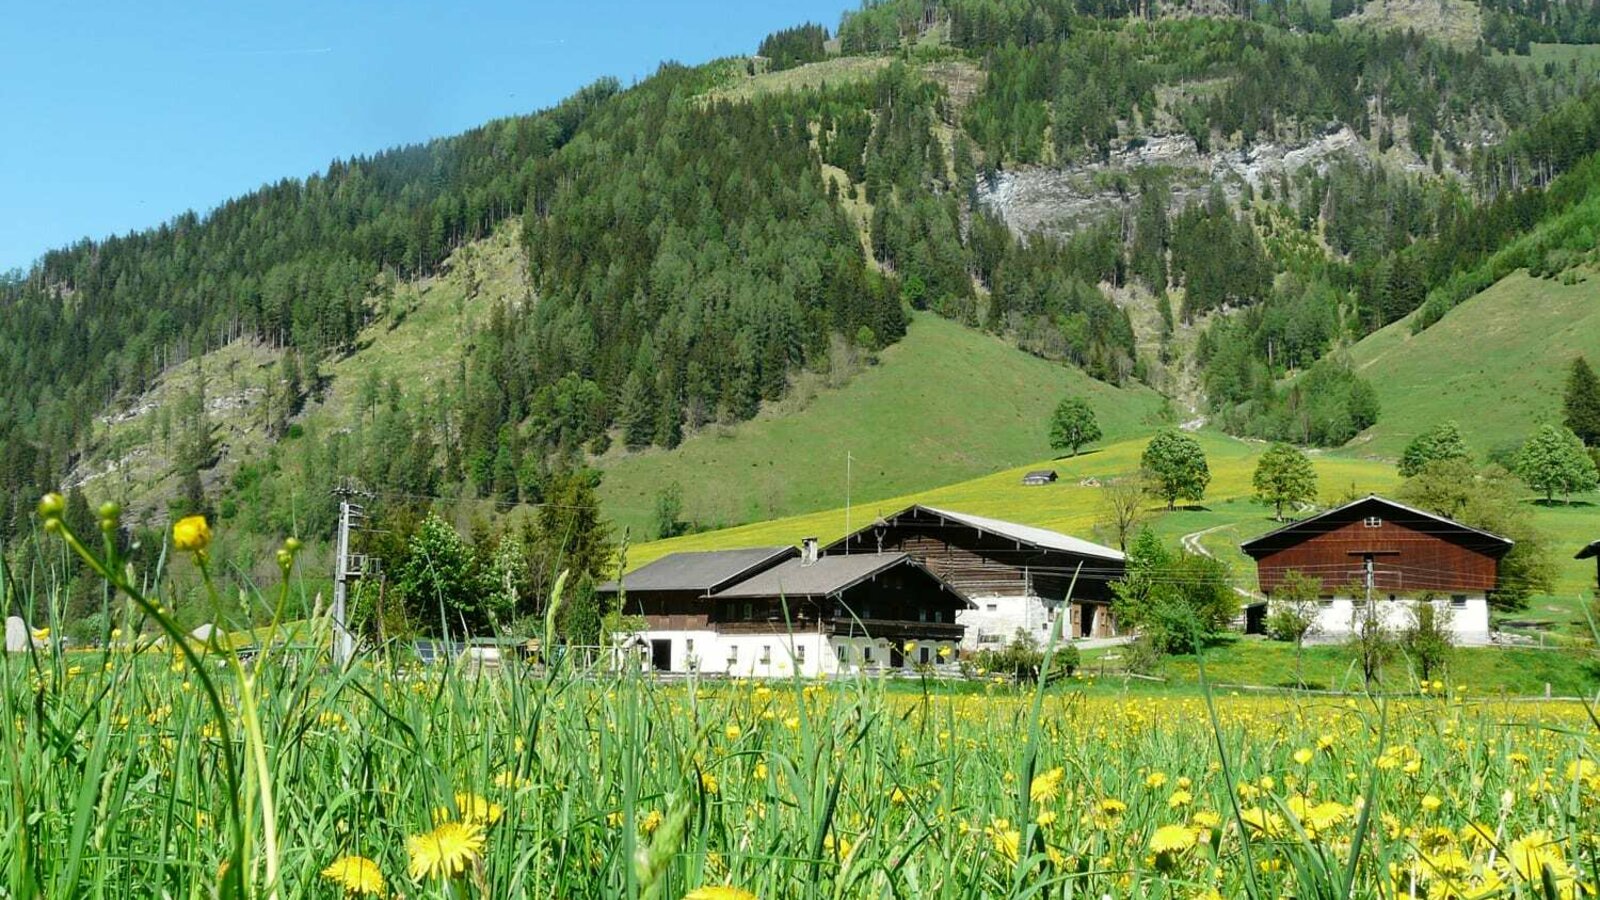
(826, 576)
(704, 571)
(1028, 534)
(1313, 525)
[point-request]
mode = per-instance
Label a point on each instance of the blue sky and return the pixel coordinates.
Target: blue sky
(116, 116)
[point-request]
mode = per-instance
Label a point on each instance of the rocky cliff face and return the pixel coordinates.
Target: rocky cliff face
(1061, 200)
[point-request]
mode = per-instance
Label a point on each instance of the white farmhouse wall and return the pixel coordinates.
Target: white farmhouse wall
(997, 617)
(776, 655)
(1341, 617)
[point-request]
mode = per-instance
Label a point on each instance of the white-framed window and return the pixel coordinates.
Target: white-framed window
(749, 612)
(766, 654)
(800, 654)
(992, 607)
(733, 653)
(1373, 522)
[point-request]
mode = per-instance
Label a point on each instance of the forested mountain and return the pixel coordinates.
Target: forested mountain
(697, 242)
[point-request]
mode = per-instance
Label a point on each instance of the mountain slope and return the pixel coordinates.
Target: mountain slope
(1495, 363)
(945, 403)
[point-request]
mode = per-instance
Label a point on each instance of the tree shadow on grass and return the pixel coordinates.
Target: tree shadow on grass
(1563, 504)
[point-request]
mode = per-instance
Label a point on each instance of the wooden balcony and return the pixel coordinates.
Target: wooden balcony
(898, 629)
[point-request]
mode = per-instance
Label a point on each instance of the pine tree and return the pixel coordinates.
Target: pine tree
(1582, 402)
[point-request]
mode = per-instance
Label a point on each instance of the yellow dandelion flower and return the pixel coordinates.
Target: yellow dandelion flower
(1303, 756)
(1431, 804)
(1047, 787)
(357, 876)
(1007, 840)
(651, 821)
(472, 808)
(708, 783)
(1180, 798)
(1529, 856)
(446, 851)
(731, 732)
(1155, 780)
(191, 534)
(1172, 839)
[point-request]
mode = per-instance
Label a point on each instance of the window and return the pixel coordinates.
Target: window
(749, 612)
(766, 654)
(922, 655)
(866, 654)
(1458, 601)
(922, 615)
(688, 647)
(938, 615)
(992, 607)
(733, 654)
(844, 653)
(1373, 522)
(800, 654)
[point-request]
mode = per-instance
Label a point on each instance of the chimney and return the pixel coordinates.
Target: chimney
(808, 551)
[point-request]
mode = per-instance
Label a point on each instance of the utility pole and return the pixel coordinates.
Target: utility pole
(345, 568)
(848, 459)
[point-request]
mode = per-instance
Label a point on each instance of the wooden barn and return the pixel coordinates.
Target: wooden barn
(779, 611)
(1391, 555)
(1040, 477)
(1017, 576)
(1592, 552)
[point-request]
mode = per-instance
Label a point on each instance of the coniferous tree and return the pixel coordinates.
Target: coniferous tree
(1581, 402)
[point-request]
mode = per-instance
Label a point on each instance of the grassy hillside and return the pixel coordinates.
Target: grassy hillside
(944, 404)
(1071, 505)
(1495, 363)
(1227, 516)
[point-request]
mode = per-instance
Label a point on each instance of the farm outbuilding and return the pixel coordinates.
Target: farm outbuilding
(1592, 552)
(1018, 577)
(1389, 555)
(1040, 477)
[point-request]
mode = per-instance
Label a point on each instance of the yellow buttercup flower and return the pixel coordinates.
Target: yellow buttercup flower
(191, 534)
(446, 851)
(357, 876)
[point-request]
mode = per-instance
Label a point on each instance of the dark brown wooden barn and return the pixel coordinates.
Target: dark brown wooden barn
(1403, 550)
(1016, 575)
(1592, 551)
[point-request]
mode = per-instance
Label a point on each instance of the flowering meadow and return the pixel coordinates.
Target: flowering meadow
(164, 769)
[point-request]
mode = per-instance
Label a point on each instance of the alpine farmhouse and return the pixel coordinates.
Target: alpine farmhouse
(778, 611)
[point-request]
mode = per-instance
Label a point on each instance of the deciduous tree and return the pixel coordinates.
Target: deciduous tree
(1176, 465)
(1442, 441)
(1284, 477)
(1553, 461)
(1073, 425)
